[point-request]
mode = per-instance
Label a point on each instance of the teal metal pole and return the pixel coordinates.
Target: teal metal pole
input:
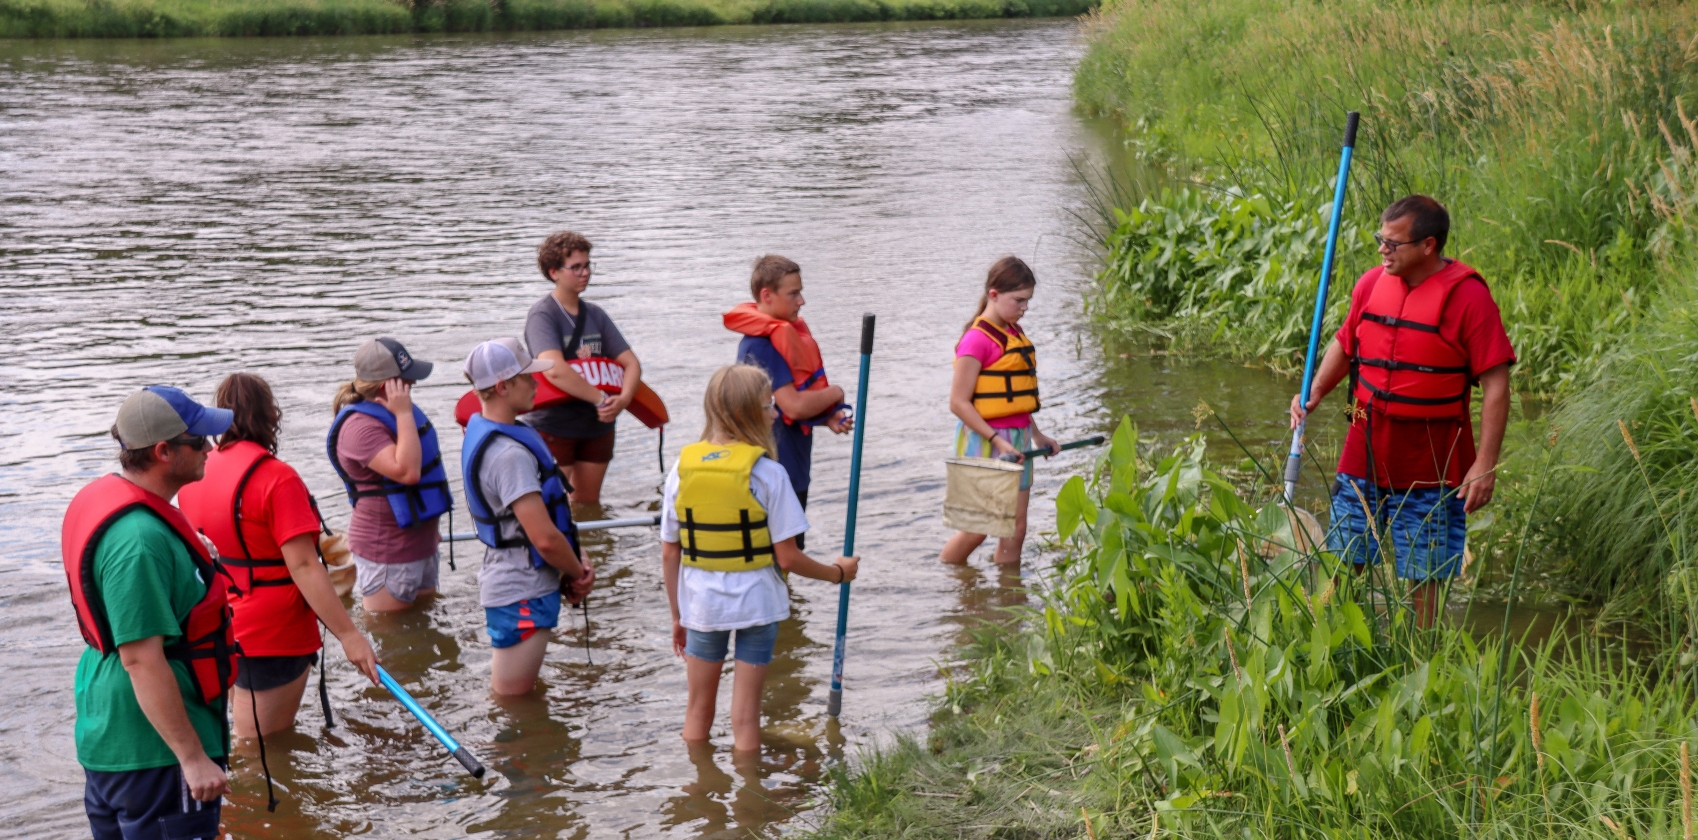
(836, 703)
(465, 757)
(1294, 461)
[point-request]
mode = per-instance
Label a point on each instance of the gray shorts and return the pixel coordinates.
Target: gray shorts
(403, 580)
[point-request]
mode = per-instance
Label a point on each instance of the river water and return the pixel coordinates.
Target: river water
(172, 212)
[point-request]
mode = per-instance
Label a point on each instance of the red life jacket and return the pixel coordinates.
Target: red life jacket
(206, 645)
(791, 339)
(1402, 366)
(270, 617)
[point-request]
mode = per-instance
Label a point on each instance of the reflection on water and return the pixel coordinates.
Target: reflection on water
(175, 211)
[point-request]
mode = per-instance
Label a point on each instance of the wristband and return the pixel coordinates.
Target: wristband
(839, 569)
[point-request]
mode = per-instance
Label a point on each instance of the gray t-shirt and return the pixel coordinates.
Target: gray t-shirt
(508, 472)
(549, 327)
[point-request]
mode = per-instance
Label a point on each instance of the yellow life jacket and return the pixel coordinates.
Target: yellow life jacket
(1008, 385)
(721, 526)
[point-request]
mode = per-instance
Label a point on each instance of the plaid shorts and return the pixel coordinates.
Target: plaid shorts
(968, 444)
(1427, 526)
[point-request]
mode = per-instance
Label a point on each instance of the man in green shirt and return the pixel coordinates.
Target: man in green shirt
(152, 748)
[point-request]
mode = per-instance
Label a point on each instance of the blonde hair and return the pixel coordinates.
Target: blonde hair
(353, 391)
(735, 405)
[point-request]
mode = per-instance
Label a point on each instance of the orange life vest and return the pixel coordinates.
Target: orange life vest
(1401, 364)
(206, 645)
(1009, 385)
(791, 339)
(273, 619)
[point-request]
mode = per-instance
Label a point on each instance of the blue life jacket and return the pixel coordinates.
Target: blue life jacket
(479, 432)
(412, 503)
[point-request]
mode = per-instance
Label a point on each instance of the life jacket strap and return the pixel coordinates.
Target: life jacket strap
(749, 552)
(1388, 396)
(1389, 364)
(1390, 321)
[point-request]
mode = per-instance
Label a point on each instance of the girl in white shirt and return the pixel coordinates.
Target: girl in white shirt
(728, 525)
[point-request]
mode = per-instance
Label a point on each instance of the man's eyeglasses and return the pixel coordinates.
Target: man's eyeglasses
(1392, 244)
(199, 443)
(586, 268)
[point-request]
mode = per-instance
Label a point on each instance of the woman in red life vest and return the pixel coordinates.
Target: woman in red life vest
(256, 511)
(1421, 332)
(994, 394)
(593, 364)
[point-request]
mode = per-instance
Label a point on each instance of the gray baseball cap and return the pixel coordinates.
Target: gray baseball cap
(499, 360)
(159, 413)
(382, 359)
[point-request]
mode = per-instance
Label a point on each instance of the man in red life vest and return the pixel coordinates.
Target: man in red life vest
(150, 602)
(1422, 331)
(777, 340)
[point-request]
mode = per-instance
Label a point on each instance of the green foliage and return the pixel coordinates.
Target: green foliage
(1194, 675)
(169, 18)
(1542, 127)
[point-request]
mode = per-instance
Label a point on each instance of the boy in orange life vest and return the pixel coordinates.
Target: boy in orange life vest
(777, 340)
(1422, 331)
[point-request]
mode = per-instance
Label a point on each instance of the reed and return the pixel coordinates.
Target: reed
(1551, 130)
(1298, 720)
(175, 18)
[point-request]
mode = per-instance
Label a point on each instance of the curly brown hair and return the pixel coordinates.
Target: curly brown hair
(552, 254)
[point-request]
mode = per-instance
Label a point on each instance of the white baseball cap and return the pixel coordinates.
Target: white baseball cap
(499, 360)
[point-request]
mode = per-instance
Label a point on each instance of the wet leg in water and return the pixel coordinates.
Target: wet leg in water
(277, 707)
(1008, 549)
(513, 670)
(746, 684)
(585, 478)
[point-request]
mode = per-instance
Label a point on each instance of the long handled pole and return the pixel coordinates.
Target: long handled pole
(1294, 462)
(1094, 440)
(465, 757)
(836, 703)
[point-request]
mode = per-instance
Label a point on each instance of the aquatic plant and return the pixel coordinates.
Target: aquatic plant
(1540, 125)
(171, 18)
(1192, 674)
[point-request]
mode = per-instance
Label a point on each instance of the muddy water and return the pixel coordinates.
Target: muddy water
(172, 212)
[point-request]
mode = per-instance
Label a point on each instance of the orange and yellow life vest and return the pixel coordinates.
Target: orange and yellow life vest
(1009, 385)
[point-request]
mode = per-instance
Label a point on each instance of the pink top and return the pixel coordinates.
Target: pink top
(985, 349)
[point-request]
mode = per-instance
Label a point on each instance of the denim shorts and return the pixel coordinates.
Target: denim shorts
(1427, 526)
(754, 644)
(515, 623)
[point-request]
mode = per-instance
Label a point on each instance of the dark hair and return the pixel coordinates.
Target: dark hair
(552, 253)
(769, 273)
(1427, 217)
(257, 416)
(1009, 274)
(133, 460)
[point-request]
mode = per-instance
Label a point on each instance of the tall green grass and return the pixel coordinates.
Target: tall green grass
(170, 18)
(1538, 124)
(1193, 674)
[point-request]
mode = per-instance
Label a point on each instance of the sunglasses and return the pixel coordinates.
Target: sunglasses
(1392, 244)
(199, 443)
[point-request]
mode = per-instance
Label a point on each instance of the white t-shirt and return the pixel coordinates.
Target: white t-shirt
(710, 601)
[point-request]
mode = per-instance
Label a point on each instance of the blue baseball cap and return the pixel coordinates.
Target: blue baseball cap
(159, 413)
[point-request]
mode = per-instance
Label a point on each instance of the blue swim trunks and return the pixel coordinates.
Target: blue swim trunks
(515, 623)
(1427, 526)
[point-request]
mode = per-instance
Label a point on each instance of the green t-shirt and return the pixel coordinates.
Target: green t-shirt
(149, 584)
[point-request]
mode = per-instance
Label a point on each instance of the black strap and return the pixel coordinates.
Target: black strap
(1389, 321)
(571, 351)
(1389, 364)
(1388, 396)
(749, 552)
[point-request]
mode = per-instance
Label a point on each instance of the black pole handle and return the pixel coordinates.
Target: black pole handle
(1095, 440)
(1350, 121)
(470, 762)
(867, 334)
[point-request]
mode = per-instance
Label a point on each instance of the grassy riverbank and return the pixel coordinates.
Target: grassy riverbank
(1191, 675)
(171, 18)
(1549, 129)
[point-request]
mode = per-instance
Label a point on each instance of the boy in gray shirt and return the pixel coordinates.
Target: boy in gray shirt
(518, 502)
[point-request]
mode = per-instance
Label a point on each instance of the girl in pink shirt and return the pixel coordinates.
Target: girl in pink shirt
(995, 374)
